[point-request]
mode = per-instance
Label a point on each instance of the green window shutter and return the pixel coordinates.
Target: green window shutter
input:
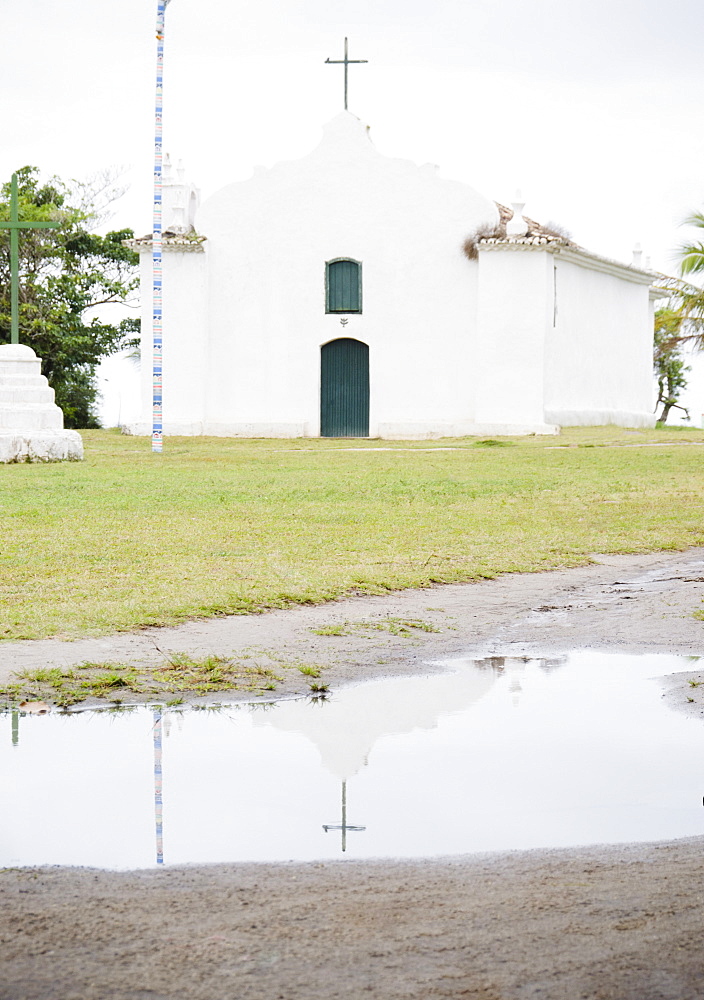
(343, 286)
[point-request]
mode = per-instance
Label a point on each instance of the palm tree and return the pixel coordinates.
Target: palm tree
(688, 299)
(691, 255)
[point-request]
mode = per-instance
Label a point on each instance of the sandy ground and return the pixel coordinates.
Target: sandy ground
(614, 923)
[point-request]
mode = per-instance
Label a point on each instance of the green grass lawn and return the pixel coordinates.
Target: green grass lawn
(219, 526)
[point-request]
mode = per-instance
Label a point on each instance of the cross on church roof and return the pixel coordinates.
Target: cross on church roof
(345, 62)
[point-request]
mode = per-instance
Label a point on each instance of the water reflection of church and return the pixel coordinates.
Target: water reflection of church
(346, 727)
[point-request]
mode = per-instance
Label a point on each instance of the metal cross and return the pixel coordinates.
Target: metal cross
(344, 825)
(14, 225)
(345, 62)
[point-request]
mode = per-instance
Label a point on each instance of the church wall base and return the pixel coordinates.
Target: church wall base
(40, 446)
(386, 431)
(425, 432)
(207, 429)
(597, 418)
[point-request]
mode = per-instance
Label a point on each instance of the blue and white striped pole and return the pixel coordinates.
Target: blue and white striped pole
(158, 791)
(157, 313)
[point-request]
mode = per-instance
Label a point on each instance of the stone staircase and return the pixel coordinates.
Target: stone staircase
(31, 424)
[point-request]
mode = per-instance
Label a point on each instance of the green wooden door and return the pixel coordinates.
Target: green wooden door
(344, 389)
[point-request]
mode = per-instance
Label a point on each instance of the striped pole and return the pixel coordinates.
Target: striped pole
(157, 315)
(158, 800)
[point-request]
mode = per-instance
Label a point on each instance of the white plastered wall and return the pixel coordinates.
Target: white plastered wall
(269, 239)
(512, 316)
(185, 342)
(598, 358)
(456, 347)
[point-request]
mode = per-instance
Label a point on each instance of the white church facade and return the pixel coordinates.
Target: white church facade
(348, 294)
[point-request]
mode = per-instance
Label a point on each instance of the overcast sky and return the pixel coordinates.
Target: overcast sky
(591, 107)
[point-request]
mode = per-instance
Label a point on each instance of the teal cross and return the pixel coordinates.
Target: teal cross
(14, 225)
(345, 62)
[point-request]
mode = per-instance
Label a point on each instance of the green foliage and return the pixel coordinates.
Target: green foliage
(691, 253)
(669, 365)
(687, 299)
(64, 273)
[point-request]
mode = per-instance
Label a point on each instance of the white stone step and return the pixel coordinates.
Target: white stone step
(40, 394)
(41, 446)
(37, 418)
(15, 359)
(10, 380)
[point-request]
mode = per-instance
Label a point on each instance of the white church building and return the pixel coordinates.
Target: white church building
(349, 294)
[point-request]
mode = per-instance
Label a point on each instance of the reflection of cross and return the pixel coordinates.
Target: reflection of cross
(344, 826)
(14, 225)
(345, 62)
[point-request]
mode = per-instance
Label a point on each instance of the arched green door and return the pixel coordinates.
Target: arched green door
(344, 389)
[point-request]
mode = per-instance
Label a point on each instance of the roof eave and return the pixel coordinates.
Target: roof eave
(573, 254)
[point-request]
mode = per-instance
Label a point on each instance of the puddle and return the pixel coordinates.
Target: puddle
(492, 755)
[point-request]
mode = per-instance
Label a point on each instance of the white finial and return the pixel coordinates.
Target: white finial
(637, 255)
(177, 210)
(648, 263)
(166, 170)
(517, 225)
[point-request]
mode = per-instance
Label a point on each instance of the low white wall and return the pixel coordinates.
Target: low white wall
(598, 356)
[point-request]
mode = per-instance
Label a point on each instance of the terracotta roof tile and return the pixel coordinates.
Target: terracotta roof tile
(537, 233)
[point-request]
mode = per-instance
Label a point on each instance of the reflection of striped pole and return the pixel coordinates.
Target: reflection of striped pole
(158, 801)
(157, 408)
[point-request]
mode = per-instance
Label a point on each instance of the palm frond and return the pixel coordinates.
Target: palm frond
(691, 258)
(695, 219)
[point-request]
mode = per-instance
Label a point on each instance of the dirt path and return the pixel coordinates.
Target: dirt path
(620, 923)
(630, 603)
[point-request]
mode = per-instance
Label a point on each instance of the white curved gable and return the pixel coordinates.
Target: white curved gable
(347, 185)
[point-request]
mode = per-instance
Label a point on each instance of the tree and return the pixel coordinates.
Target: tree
(680, 323)
(669, 365)
(65, 273)
(687, 298)
(691, 253)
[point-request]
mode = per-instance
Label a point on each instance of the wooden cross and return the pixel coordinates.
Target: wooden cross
(14, 225)
(345, 62)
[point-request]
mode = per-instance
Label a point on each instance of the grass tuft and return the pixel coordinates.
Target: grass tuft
(177, 674)
(405, 627)
(309, 671)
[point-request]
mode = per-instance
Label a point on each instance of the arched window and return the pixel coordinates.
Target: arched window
(343, 286)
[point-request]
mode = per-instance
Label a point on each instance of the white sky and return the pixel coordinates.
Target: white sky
(591, 107)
